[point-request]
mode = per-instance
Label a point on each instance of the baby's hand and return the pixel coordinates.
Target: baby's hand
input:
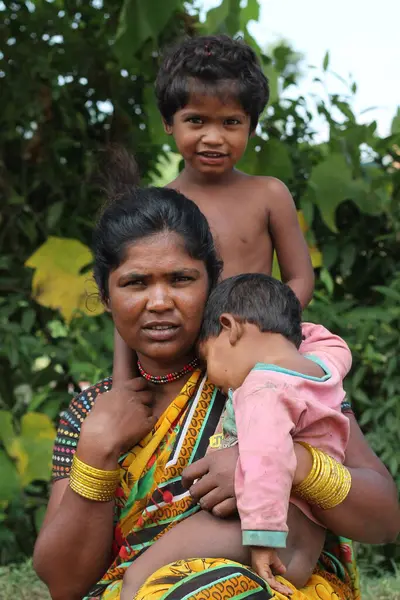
(266, 563)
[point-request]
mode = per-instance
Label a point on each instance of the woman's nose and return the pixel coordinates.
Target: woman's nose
(159, 299)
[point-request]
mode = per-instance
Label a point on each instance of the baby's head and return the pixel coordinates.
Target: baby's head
(238, 314)
(211, 91)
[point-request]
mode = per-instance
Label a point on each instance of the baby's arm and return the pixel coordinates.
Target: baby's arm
(289, 243)
(266, 562)
(266, 418)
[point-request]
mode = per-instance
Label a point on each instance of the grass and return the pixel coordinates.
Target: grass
(19, 582)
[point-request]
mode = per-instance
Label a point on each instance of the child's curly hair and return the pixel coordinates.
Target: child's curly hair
(217, 65)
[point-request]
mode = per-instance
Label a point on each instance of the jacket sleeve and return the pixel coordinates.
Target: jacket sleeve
(321, 342)
(265, 420)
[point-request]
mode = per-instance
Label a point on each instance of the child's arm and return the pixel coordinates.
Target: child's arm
(266, 562)
(289, 243)
(124, 367)
(265, 420)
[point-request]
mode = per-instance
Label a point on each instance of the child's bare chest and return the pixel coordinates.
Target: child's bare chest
(241, 234)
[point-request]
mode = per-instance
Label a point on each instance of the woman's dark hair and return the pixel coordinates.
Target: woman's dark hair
(133, 213)
(215, 64)
(254, 298)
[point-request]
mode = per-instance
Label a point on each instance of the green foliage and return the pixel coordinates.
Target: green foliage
(75, 77)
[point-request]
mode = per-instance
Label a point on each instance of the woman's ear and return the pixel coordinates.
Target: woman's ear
(106, 303)
(233, 327)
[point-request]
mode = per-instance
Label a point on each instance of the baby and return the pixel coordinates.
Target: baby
(250, 339)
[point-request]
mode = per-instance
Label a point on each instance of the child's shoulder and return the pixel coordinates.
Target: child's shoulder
(269, 187)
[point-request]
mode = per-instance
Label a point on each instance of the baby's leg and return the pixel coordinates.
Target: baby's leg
(205, 536)
(201, 535)
(305, 542)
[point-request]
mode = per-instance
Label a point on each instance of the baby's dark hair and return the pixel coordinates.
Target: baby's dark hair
(254, 298)
(214, 64)
(133, 213)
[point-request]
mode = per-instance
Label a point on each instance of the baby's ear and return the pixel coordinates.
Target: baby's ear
(232, 326)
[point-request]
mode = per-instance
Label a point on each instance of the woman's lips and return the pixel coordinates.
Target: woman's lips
(160, 333)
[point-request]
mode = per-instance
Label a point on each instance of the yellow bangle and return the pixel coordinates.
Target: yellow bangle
(327, 484)
(91, 483)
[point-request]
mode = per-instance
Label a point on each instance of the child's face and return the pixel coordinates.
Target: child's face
(211, 135)
(226, 365)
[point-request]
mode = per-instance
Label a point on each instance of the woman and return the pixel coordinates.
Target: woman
(154, 265)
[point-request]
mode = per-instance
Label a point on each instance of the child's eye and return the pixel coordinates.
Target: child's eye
(232, 122)
(195, 120)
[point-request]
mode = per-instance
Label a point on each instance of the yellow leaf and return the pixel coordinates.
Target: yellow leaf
(315, 254)
(302, 221)
(316, 257)
(58, 283)
(32, 450)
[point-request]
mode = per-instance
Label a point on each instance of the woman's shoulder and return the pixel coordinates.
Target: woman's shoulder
(69, 426)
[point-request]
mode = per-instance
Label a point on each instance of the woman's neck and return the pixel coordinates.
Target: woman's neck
(158, 367)
(164, 393)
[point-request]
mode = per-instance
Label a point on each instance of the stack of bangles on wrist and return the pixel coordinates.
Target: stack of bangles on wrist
(327, 484)
(91, 483)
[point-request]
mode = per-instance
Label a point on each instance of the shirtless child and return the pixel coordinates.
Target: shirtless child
(210, 92)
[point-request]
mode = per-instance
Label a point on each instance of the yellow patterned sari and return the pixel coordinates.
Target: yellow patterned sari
(151, 500)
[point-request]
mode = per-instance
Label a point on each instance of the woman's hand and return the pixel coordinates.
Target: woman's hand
(211, 481)
(119, 419)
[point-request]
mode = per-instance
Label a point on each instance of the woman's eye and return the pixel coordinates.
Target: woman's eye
(182, 279)
(134, 282)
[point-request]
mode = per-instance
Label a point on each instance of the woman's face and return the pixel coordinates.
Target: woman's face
(157, 297)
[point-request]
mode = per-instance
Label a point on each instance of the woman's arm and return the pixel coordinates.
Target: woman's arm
(125, 360)
(370, 513)
(73, 549)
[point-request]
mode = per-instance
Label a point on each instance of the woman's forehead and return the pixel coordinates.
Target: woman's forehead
(164, 251)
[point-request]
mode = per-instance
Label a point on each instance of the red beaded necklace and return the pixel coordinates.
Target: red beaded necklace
(170, 376)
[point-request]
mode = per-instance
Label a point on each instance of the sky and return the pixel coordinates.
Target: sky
(362, 37)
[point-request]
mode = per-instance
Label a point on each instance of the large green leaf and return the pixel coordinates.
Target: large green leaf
(274, 160)
(10, 483)
(224, 18)
(331, 184)
(154, 121)
(396, 123)
(140, 21)
(250, 12)
(7, 433)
